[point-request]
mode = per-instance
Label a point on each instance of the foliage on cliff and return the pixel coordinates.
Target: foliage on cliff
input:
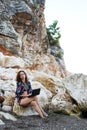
(54, 33)
(53, 37)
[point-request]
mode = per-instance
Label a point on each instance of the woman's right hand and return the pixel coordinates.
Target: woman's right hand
(28, 94)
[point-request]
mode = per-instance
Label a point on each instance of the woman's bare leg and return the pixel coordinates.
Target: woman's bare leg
(37, 108)
(44, 113)
(32, 102)
(26, 101)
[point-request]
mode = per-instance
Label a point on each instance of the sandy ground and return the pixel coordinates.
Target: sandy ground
(52, 122)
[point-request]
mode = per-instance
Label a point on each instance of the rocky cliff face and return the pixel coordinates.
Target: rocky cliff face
(24, 45)
(23, 33)
(22, 28)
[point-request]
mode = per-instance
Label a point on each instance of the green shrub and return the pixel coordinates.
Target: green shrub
(53, 33)
(35, 5)
(60, 54)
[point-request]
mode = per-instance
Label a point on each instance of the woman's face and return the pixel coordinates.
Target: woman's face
(22, 75)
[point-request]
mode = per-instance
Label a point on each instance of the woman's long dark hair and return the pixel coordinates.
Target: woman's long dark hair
(18, 79)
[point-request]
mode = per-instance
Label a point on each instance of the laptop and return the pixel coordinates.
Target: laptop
(35, 92)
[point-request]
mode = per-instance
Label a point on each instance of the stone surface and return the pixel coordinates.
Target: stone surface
(1, 122)
(76, 85)
(23, 34)
(7, 116)
(11, 61)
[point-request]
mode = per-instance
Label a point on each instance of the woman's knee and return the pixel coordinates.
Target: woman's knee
(35, 98)
(33, 103)
(23, 102)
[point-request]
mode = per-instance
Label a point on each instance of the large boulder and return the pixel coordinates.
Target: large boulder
(62, 102)
(76, 85)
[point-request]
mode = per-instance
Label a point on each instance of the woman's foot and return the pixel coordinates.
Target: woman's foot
(42, 116)
(45, 114)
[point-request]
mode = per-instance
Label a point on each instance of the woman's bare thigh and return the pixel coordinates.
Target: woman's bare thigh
(26, 101)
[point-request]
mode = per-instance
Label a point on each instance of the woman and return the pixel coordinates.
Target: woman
(23, 92)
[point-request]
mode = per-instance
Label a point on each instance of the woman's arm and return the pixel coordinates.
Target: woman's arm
(19, 89)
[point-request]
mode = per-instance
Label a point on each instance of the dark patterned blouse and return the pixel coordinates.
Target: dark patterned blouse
(21, 88)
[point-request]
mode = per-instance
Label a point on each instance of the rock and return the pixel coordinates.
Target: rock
(63, 103)
(8, 74)
(48, 83)
(1, 58)
(6, 108)
(9, 100)
(76, 85)
(7, 116)
(1, 122)
(11, 61)
(24, 111)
